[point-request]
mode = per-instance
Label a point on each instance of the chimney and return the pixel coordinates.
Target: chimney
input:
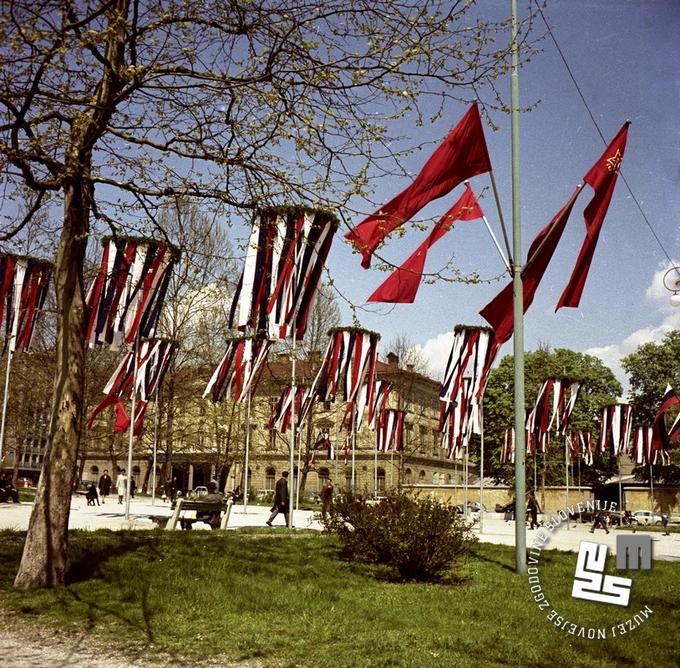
(409, 368)
(393, 359)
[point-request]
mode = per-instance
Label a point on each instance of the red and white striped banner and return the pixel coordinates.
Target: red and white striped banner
(615, 428)
(286, 254)
(24, 282)
(390, 433)
(126, 297)
(240, 369)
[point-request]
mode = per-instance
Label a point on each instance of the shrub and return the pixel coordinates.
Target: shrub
(419, 537)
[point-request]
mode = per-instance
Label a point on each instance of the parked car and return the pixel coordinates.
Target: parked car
(646, 517)
(25, 482)
(473, 507)
(199, 492)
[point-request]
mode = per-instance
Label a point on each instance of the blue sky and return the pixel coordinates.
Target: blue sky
(625, 56)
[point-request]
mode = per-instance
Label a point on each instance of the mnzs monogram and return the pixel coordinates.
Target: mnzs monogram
(591, 584)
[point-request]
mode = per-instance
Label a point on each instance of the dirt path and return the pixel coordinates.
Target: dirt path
(25, 645)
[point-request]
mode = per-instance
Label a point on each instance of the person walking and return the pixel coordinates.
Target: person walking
(326, 495)
(664, 523)
(281, 499)
(105, 483)
(121, 486)
(599, 522)
(533, 509)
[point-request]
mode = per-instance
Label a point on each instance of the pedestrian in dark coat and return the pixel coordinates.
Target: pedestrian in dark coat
(281, 499)
(600, 522)
(105, 483)
(533, 509)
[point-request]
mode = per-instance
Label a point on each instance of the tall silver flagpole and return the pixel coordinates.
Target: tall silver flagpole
(5, 397)
(131, 439)
(247, 453)
(481, 466)
(155, 448)
(566, 469)
(291, 474)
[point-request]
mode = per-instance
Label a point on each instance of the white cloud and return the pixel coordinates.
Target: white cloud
(657, 291)
(436, 352)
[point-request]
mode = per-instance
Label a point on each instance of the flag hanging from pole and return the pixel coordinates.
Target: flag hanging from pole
(24, 282)
(286, 254)
(602, 178)
(615, 428)
(240, 369)
(381, 392)
(508, 447)
(282, 414)
(152, 361)
(390, 432)
(660, 436)
(586, 440)
(499, 311)
(126, 297)
(402, 285)
(642, 447)
(462, 155)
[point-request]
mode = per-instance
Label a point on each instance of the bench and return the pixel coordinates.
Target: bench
(221, 509)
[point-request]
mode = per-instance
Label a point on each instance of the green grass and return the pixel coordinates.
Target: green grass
(288, 601)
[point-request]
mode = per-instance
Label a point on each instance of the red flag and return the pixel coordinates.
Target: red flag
(602, 179)
(498, 312)
(461, 155)
(402, 285)
(660, 437)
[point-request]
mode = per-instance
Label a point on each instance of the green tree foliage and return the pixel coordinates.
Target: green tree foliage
(650, 368)
(599, 388)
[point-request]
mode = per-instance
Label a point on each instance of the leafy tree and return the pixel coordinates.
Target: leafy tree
(599, 388)
(108, 109)
(650, 368)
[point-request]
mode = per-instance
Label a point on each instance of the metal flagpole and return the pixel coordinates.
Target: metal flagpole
(495, 241)
(620, 486)
(481, 466)
(293, 427)
(299, 469)
(566, 471)
(375, 466)
(392, 468)
(354, 447)
(518, 310)
(651, 488)
(131, 439)
(465, 482)
(5, 397)
(247, 453)
(335, 448)
(155, 449)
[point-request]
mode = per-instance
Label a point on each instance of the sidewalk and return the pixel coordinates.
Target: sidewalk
(112, 516)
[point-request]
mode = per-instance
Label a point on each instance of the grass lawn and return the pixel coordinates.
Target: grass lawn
(289, 601)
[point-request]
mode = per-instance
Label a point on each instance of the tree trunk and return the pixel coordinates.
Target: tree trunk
(43, 563)
(147, 476)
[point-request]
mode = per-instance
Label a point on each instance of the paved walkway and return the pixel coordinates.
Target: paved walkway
(495, 530)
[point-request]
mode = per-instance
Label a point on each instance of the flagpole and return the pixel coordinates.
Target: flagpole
(500, 218)
(298, 440)
(293, 426)
(651, 488)
(155, 449)
(247, 452)
(5, 398)
(481, 467)
(335, 449)
(498, 247)
(354, 447)
(566, 471)
(392, 468)
(465, 482)
(131, 436)
(518, 310)
(375, 468)
(618, 457)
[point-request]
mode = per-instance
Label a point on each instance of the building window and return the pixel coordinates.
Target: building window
(270, 479)
(408, 477)
(449, 479)
(348, 479)
(381, 479)
(324, 475)
(435, 478)
(421, 477)
(422, 432)
(94, 473)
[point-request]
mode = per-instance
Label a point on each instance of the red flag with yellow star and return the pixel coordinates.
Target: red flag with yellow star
(602, 179)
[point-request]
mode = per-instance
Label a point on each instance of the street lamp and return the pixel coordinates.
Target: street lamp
(671, 281)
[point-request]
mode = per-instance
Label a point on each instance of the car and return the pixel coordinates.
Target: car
(199, 492)
(25, 482)
(646, 517)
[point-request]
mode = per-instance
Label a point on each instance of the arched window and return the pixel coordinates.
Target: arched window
(435, 478)
(270, 478)
(408, 477)
(94, 473)
(381, 479)
(324, 475)
(421, 477)
(449, 479)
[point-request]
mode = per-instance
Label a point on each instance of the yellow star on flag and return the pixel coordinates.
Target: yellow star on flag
(614, 163)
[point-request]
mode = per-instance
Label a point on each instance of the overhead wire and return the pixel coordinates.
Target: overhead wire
(599, 131)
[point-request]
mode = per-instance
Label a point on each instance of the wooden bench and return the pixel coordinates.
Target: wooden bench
(186, 505)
